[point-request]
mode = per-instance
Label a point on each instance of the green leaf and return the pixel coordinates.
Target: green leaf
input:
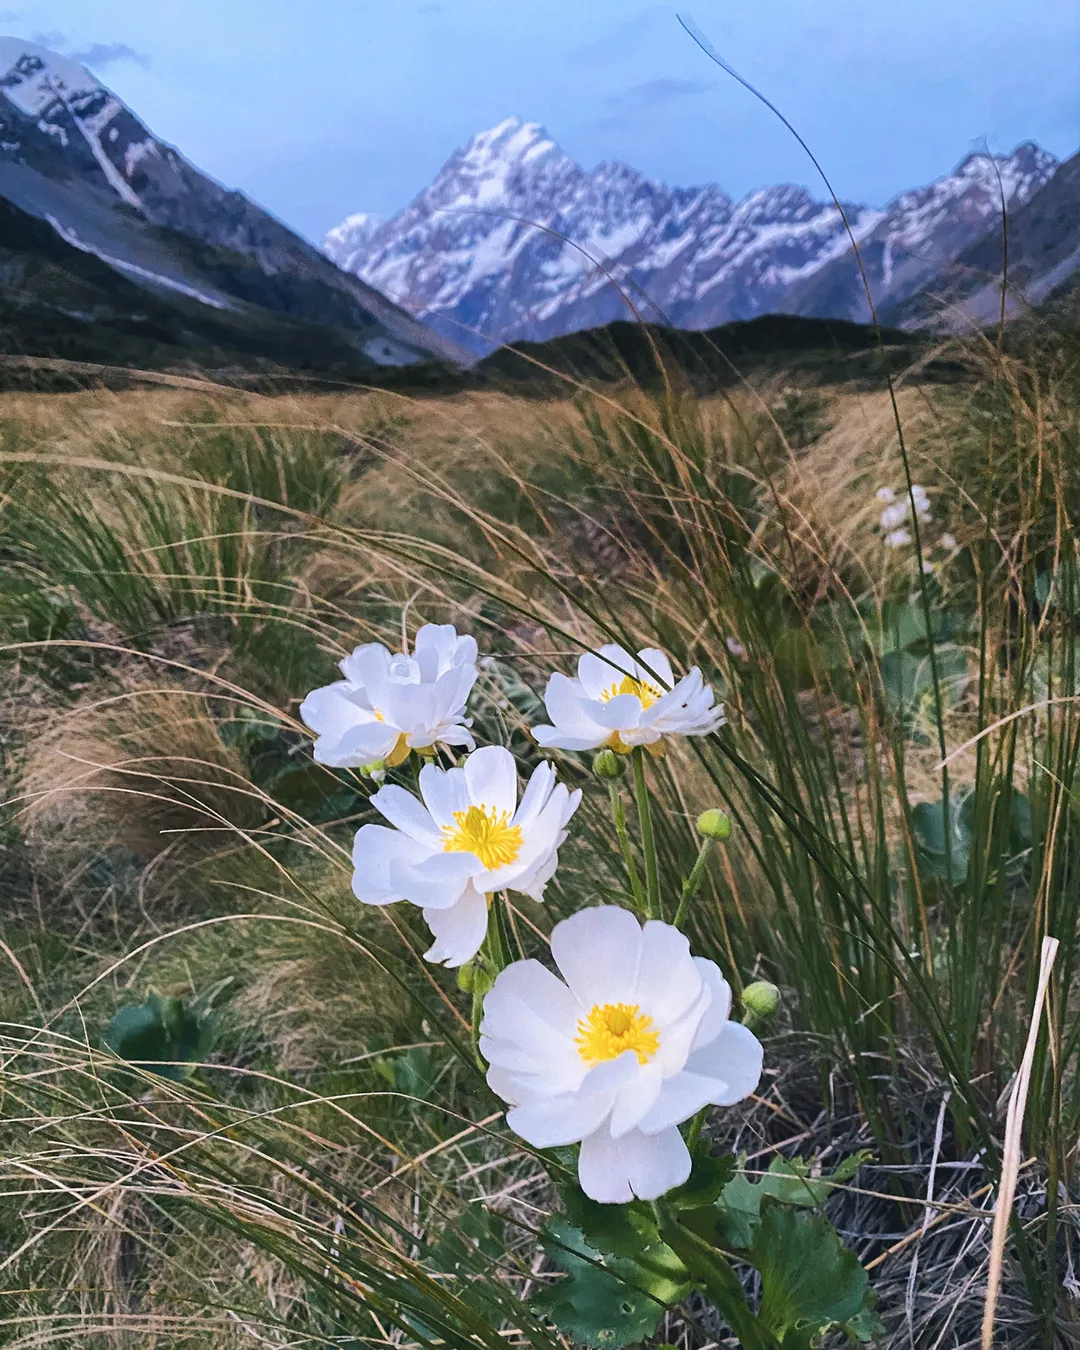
(708, 1177)
(810, 1281)
(928, 825)
(607, 1301)
(788, 1180)
(162, 1035)
(614, 1230)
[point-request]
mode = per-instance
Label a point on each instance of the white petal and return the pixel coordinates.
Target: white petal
(444, 792)
(618, 713)
(717, 1013)
(598, 951)
(376, 850)
(458, 931)
(403, 810)
(361, 744)
(554, 1121)
(491, 778)
(655, 667)
(599, 670)
(677, 1037)
(552, 738)
(637, 1098)
(734, 1056)
(328, 711)
(366, 664)
(613, 1171)
(680, 1097)
(537, 791)
(435, 881)
(531, 1010)
(563, 699)
(669, 980)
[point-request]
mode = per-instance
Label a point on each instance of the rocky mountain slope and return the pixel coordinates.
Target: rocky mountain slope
(79, 163)
(514, 240)
(1040, 250)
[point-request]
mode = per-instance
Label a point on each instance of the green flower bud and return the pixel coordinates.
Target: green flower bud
(608, 764)
(714, 824)
(475, 977)
(761, 1000)
(376, 769)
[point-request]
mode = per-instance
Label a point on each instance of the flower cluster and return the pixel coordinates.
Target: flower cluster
(635, 1038)
(897, 513)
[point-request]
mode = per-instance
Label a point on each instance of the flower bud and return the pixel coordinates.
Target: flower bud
(761, 1000)
(714, 824)
(376, 769)
(474, 977)
(608, 764)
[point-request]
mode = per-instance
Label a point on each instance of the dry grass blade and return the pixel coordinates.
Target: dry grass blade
(1014, 1123)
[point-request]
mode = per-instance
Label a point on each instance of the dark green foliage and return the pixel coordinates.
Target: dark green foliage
(163, 1036)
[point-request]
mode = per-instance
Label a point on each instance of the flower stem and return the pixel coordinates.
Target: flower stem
(648, 840)
(693, 881)
(696, 1126)
(619, 816)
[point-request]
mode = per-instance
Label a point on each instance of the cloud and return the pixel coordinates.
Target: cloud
(101, 54)
(627, 106)
(665, 89)
(98, 54)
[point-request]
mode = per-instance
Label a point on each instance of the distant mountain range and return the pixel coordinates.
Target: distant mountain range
(111, 241)
(515, 241)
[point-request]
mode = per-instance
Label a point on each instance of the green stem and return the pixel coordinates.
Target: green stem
(648, 840)
(619, 816)
(696, 1126)
(693, 881)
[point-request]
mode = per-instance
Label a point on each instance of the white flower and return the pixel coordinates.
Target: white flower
(894, 515)
(389, 704)
(635, 1041)
(897, 539)
(886, 495)
(948, 541)
(465, 840)
(622, 702)
(736, 648)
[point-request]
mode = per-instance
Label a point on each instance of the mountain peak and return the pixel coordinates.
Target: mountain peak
(514, 240)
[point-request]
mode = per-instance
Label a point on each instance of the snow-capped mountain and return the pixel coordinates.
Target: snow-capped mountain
(74, 157)
(515, 240)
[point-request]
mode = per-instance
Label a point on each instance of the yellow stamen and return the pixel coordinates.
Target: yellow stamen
(648, 693)
(487, 833)
(612, 1028)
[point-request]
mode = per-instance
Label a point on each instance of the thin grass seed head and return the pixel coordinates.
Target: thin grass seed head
(632, 1040)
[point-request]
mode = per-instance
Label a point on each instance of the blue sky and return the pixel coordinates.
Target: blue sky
(319, 108)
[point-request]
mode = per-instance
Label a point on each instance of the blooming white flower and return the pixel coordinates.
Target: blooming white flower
(391, 703)
(635, 1041)
(622, 701)
(948, 541)
(467, 838)
(897, 539)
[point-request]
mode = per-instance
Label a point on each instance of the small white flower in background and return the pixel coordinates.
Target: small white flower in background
(737, 650)
(634, 1042)
(391, 703)
(948, 541)
(898, 512)
(466, 839)
(897, 539)
(928, 568)
(622, 702)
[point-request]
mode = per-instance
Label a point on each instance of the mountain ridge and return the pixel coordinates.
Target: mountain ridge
(513, 240)
(74, 157)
